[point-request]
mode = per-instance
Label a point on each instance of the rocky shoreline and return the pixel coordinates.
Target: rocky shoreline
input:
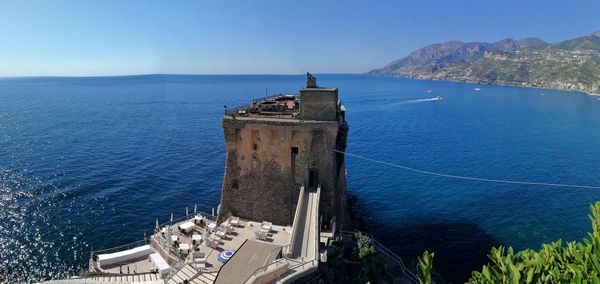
(570, 65)
(508, 84)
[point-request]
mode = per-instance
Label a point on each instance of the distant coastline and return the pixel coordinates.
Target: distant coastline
(507, 84)
(570, 65)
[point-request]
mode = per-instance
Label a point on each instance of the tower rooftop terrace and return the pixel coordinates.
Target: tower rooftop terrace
(311, 103)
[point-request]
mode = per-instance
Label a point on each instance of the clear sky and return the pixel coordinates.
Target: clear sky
(82, 38)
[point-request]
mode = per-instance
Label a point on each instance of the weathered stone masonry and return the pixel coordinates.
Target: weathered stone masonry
(270, 157)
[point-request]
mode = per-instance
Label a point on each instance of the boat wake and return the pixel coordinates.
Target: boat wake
(423, 100)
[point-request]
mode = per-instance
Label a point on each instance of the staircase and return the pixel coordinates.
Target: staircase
(187, 272)
(112, 278)
(205, 278)
(184, 273)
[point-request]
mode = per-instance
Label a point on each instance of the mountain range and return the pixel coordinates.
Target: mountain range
(567, 65)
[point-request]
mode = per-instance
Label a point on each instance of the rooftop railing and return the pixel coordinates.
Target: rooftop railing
(237, 109)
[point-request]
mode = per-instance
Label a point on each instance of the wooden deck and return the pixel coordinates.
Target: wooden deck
(140, 270)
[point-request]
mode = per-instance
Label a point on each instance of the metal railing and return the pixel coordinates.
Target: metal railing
(275, 262)
(122, 247)
(317, 225)
(178, 266)
(95, 269)
(170, 250)
(264, 268)
(109, 274)
(185, 218)
(295, 224)
(300, 265)
(391, 256)
(235, 110)
(294, 269)
(94, 253)
(265, 264)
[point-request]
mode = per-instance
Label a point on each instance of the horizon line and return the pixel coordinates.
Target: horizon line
(174, 74)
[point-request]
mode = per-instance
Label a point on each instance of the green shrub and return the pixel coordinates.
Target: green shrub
(365, 245)
(372, 263)
(424, 268)
(575, 262)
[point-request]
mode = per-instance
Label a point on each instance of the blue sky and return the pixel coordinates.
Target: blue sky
(83, 38)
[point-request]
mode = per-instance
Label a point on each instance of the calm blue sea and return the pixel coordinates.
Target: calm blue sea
(92, 162)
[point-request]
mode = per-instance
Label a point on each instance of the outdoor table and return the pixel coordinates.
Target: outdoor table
(184, 247)
(215, 238)
(212, 226)
(186, 226)
(196, 238)
(174, 238)
(160, 263)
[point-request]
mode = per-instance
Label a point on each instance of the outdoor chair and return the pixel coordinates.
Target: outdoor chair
(266, 225)
(221, 232)
(261, 235)
(199, 259)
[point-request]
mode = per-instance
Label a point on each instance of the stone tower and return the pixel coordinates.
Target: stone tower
(278, 144)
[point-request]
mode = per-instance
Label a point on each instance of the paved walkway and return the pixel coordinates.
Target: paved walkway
(304, 246)
(249, 257)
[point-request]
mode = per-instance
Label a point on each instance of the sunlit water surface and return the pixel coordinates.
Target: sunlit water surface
(92, 162)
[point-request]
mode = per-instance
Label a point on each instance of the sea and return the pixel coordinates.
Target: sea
(92, 162)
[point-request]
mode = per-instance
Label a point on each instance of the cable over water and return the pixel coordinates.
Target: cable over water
(467, 177)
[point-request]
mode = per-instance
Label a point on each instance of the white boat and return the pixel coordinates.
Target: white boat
(477, 89)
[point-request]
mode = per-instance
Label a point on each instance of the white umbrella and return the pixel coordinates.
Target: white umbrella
(186, 211)
(171, 217)
(157, 229)
(195, 208)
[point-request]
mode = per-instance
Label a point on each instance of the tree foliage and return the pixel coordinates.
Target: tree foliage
(573, 262)
(372, 264)
(365, 245)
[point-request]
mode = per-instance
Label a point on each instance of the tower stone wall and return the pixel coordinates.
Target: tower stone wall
(269, 158)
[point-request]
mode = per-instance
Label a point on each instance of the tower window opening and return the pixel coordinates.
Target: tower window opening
(313, 177)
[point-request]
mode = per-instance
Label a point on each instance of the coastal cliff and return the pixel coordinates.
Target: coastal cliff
(567, 65)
